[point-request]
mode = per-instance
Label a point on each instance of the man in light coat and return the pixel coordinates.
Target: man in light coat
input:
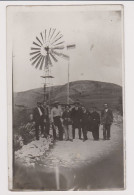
(56, 115)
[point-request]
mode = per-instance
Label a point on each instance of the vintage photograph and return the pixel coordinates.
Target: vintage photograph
(65, 98)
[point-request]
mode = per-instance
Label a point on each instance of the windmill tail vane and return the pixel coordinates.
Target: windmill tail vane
(72, 46)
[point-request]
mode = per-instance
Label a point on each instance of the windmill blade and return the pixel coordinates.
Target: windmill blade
(36, 44)
(56, 53)
(32, 48)
(40, 58)
(34, 52)
(59, 43)
(45, 35)
(61, 55)
(42, 62)
(59, 47)
(53, 33)
(56, 36)
(49, 33)
(57, 39)
(36, 60)
(39, 40)
(53, 57)
(72, 46)
(42, 37)
(49, 60)
(65, 56)
(35, 56)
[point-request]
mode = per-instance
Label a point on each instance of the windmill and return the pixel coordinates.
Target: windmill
(45, 51)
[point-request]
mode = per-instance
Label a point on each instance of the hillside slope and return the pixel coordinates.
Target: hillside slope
(89, 93)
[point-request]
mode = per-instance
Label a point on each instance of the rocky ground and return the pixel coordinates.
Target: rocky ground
(31, 153)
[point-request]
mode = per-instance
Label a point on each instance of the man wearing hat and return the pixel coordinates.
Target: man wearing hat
(38, 116)
(106, 121)
(76, 118)
(85, 122)
(56, 118)
(95, 122)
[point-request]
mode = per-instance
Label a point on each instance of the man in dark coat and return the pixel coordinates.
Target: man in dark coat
(85, 122)
(106, 121)
(95, 122)
(76, 118)
(38, 116)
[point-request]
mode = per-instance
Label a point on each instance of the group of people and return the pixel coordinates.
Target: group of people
(71, 118)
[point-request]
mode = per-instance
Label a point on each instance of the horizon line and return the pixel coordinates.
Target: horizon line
(66, 84)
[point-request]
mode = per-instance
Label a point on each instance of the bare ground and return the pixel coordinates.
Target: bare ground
(78, 165)
(79, 153)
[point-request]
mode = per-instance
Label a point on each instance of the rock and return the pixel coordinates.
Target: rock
(32, 151)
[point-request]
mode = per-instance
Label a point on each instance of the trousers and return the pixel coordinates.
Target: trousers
(106, 131)
(79, 130)
(84, 131)
(57, 122)
(47, 127)
(68, 132)
(54, 132)
(37, 125)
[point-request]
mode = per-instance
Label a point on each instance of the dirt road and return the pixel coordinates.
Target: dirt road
(91, 164)
(79, 165)
(79, 153)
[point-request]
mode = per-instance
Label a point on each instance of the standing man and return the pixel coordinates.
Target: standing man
(76, 118)
(46, 118)
(39, 119)
(67, 123)
(106, 120)
(85, 122)
(95, 123)
(56, 119)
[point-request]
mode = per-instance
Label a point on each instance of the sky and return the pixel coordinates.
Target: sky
(97, 34)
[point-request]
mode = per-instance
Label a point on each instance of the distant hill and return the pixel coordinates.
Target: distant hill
(88, 92)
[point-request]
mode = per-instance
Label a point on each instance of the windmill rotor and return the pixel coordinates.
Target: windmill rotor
(44, 51)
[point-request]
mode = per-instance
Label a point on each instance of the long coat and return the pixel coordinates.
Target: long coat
(76, 117)
(85, 119)
(95, 120)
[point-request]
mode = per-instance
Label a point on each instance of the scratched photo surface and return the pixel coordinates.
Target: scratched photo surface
(66, 85)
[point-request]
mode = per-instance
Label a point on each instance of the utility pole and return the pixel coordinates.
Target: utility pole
(68, 86)
(71, 46)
